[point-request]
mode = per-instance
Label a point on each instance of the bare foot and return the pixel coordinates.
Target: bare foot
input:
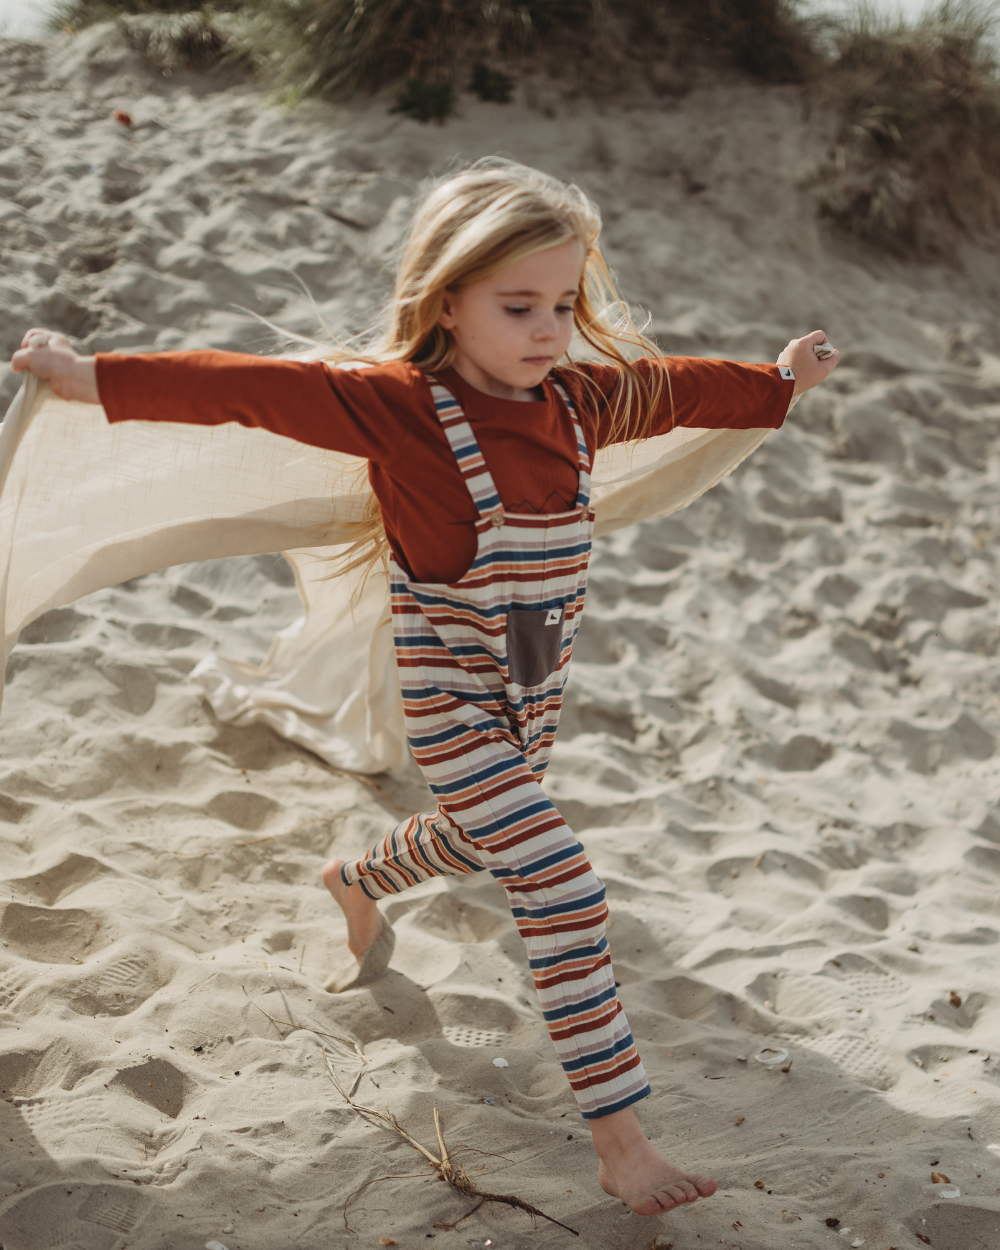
(364, 920)
(633, 1170)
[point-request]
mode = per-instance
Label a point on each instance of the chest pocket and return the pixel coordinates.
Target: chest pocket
(534, 644)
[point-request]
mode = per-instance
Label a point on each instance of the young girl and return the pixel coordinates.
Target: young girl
(480, 428)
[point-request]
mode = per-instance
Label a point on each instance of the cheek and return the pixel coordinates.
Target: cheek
(498, 330)
(485, 326)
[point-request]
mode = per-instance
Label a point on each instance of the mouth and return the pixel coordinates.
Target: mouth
(536, 361)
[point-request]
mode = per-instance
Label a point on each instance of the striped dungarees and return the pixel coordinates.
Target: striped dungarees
(483, 664)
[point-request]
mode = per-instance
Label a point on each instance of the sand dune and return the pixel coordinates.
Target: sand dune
(780, 745)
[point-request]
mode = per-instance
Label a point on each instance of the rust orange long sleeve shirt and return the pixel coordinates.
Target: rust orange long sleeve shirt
(385, 414)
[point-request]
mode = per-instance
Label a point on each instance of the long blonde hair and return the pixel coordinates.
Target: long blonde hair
(469, 227)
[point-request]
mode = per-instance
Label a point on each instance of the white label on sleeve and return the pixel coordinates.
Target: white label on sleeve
(786, 373)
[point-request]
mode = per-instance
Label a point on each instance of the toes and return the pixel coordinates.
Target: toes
(705, 1185)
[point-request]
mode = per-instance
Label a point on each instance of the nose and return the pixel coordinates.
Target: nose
(544, 327)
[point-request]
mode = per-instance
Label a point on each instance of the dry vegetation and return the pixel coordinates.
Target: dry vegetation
(916, 159)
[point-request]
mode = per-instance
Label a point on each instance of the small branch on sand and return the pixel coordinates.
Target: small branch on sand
(453, 1173)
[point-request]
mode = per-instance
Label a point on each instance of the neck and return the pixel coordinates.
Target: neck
(478, 378)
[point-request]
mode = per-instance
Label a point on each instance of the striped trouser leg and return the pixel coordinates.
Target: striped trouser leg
(489, 793)
(427, 845)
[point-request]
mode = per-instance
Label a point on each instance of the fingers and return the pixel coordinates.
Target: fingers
(39, 336)
(812, 339)
(36, 354)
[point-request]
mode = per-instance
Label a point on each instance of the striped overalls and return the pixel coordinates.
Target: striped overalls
(483, 664)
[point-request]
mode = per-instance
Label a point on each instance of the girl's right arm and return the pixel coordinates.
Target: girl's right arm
(50, 357)
(363, 412)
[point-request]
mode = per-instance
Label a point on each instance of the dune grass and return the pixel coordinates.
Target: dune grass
(335, 48)
(916, 160)
(915, 163)
(78, 14)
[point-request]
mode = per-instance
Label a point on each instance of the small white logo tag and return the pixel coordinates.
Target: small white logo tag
(554, 616)
(786, 373)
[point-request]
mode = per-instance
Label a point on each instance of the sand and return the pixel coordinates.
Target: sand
(780, 743)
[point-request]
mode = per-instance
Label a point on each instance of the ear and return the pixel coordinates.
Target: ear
(446, 317)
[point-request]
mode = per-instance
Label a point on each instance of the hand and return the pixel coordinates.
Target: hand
(809, 370)
(48, 356)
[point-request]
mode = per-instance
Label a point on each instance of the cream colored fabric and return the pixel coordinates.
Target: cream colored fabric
(85, 504)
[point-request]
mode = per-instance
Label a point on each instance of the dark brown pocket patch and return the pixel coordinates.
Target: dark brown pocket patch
(534, 644)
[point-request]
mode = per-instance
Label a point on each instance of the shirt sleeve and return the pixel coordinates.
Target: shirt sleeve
(700, 393)
(345, 410)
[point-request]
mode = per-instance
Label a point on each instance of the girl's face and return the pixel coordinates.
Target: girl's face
(509, 330)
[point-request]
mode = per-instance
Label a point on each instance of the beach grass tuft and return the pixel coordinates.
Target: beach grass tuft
(915, 163)
(335, 48)
(79, 14)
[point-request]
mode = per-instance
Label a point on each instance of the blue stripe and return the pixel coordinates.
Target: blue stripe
(600, 1056)
(587, 1004)
(617, 1106)
(578, 952)
(556, 909)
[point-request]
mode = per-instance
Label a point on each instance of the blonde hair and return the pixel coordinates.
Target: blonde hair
(469, 227)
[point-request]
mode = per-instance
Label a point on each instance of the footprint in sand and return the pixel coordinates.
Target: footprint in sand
(156, 1082)
(52, 884)
(74, 1216)
(857, 1056)
(119, 988)
(800, 997)
(472, 1021)
(867, 980)
(12, 982)
(244, 809)
(57, 935)
(13, 811)
(469, 1037)
(81, 1125)
(23, 1073)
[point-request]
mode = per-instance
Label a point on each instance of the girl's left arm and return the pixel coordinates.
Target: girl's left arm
(723, 394)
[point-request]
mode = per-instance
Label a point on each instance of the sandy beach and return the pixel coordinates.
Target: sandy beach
(780, 745)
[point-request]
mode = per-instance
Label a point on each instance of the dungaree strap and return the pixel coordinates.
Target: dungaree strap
(583, 456)
(470, 460)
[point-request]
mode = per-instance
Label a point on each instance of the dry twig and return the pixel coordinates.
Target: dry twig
(453, 1173)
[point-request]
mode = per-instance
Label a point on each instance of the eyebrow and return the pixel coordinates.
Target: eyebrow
(508, 294)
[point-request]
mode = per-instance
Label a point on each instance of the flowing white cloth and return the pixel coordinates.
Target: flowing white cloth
(85, 504)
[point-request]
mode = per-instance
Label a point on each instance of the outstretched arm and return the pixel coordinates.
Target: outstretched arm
(49, 356)
(359, 412)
